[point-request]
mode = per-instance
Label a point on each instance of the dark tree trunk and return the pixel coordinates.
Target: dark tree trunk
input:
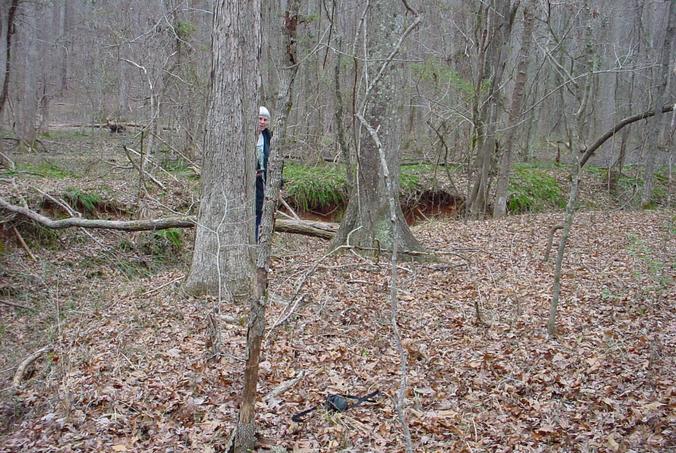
(7, 22)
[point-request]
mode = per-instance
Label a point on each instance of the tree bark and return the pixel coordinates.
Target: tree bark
(26, 127)
(222, 259)
(367, 221)
(496, 38)
(246, 428)
(8, 25)
(505, 169)
(661, 84)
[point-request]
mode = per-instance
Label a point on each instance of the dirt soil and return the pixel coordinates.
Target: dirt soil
(131, 367)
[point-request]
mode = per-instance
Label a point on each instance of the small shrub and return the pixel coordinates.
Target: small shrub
(173, 236)
(162, 245)
(532, 190)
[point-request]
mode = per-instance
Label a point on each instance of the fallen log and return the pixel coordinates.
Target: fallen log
(308, 228)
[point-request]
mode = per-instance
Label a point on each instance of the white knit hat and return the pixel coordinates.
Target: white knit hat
(262, 111)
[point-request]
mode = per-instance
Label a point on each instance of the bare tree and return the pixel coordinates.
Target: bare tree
(244, 438)
(7, 15)
(505, 168)
(660, 97)
(497, 18)
(367, 221)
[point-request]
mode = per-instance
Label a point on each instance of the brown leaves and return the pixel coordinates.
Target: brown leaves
(135, 374)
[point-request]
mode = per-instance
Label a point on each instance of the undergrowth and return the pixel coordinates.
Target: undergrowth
(43, 169)
(85, 200)
(532, 189)
(315, 187)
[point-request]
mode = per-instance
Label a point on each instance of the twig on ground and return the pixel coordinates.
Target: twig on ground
(127, 151)
(283, 387)
(21, 369)
(12, 304)
(154, 290)
(286, 205)
(23, 244)
(286, 314)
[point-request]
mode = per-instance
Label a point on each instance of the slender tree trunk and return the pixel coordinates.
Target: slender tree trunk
(498, 30)
(222, 261)
(500, 208)
(567, 222)
(26, 127)
(246, 429)
(7, 19)
(660, 93)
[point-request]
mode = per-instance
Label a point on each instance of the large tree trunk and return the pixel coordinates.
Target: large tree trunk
(222, 261)
(661, 86)
(367, 222)
(500, 208)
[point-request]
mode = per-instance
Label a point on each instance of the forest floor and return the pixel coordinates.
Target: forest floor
(131, 367)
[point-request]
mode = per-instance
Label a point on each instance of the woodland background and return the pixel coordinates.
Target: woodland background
(102, 350)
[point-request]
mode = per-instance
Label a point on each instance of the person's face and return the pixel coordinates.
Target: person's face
(262, 123)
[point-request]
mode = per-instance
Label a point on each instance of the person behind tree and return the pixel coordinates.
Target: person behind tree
(262, 154)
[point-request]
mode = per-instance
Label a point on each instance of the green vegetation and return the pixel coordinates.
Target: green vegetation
(184, 29)
(87, 201)
(171, 238)
(323, 186)
(531, 189)
(43, 169)
(630, 183)
(315, 187)
(437, 71)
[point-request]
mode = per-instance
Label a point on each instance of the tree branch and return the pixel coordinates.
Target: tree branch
(588, 152)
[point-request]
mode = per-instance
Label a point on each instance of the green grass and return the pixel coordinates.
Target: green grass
(631, 182)
(43, 169)
(324, 186)
(315, 187)
(532, 189)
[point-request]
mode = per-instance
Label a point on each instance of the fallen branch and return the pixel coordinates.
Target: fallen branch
(23, 244)
(308, 228)
(12, 304)
(283, 387)
(125, 225)
(139, 167)
(21, 369)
